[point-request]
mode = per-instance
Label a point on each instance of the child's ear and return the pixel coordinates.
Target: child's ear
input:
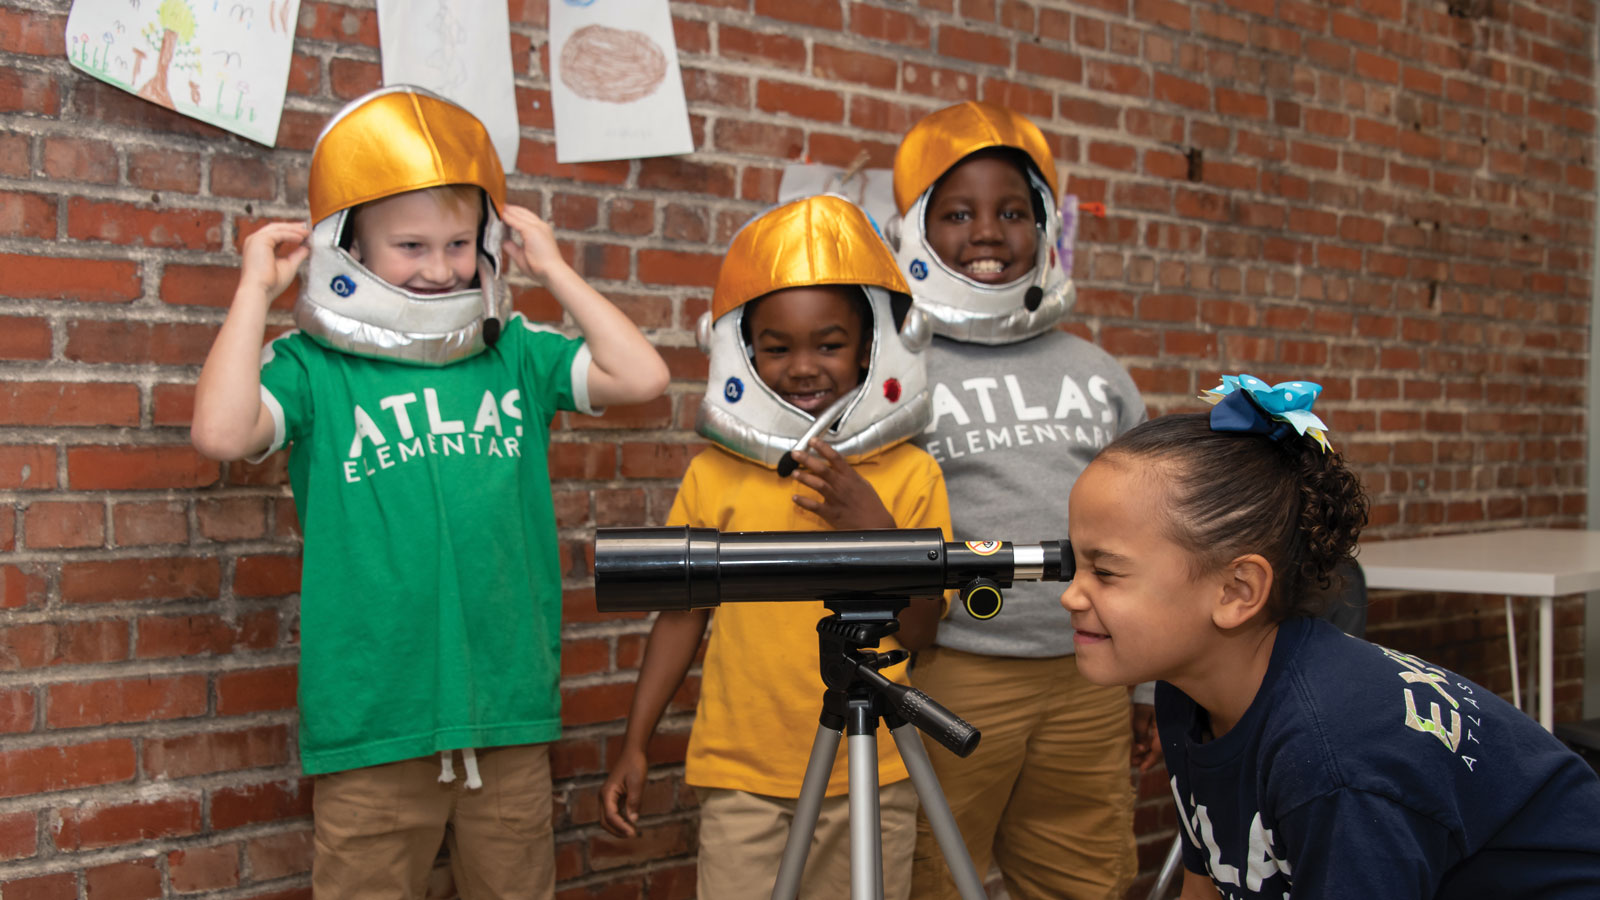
(1246, 586)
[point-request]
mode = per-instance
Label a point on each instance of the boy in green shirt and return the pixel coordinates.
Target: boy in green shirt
(431, 590)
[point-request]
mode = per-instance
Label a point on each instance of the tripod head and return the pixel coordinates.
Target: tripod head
(858, 695)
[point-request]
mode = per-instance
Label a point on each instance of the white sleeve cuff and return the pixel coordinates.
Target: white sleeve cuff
(276, 409)
(580, 382)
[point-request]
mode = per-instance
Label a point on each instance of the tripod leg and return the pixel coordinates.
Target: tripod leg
(934, 806)
(824, 748)
(866, 824)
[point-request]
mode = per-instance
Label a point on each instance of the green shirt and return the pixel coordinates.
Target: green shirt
(430, 601)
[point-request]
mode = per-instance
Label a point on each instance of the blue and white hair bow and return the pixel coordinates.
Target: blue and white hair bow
(1248, 404)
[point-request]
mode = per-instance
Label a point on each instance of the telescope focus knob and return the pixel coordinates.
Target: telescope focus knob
(982, 598)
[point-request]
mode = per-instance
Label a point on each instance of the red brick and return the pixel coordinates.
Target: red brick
(22, 586)
(62, 278)
(93, 825)
(256, 690)
(68, 403)
(232, 519)
(757, 139)
(125, 700)
(64, 524)
(679, 174)
(140, 524)
(164, 170)
(1172, 89)
(266, 576)
(175, 578)
(130, 880)
(234, 807)
(16, 711)
(675, 267)
(74, 159)
(950, 85)
(974, 46)
(22, 338)
(1117, 78)
(38, 770)
(31, 467)
(19, 832)
(890, 25)
(350, 78)
(784, 98)
(216, 751)
(201, 635)
(203, 868)
(764, 49)
(140, 225)
(33, 32)
(25, 91)
(243, 177)
(172, 404)
(92, 468)
(839, 64)
(27, 215)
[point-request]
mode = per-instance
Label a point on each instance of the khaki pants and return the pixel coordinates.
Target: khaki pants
(378, 829)
(1048, 794)
(742, 836)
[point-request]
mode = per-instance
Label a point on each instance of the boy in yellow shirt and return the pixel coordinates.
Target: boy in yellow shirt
(812, 321)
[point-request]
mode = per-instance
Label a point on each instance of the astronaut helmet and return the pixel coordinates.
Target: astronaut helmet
(815, 241)
(961, 307)
(390, 141)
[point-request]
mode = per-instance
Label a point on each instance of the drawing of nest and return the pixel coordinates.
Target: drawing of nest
(611, 64)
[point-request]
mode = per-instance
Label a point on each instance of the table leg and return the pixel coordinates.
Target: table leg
(1511, 641)
(1547, 682)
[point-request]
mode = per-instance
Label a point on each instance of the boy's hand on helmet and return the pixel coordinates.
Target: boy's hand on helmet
(537, 253)
(261, 265)
(848, 502)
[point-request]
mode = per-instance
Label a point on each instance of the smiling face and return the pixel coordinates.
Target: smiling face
(423, 241)
(810, 343)
(980, 220)
(1139, 612)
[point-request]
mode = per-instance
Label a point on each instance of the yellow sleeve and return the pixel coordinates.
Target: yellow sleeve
(686, 505)
(927, 507)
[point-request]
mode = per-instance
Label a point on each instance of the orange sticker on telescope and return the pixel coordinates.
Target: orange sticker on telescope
(984, 548)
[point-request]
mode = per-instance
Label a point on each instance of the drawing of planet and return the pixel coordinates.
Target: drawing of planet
(612, 65)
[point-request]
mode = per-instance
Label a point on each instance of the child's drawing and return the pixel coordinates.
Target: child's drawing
(612, 64)
(460, 54)
(225, 62)
(615, 86)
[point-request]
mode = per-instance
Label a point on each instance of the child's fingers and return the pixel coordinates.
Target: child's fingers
(825, 450)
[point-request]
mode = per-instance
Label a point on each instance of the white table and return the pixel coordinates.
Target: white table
(1531, 562)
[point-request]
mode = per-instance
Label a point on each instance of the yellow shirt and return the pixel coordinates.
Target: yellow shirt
(760, 690)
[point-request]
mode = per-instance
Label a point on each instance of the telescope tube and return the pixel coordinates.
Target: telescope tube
(643, 569)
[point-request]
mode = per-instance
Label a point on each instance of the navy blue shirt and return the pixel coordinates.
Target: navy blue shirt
(1359, 771)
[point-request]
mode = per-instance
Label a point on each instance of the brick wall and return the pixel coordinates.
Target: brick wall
(1393, 198)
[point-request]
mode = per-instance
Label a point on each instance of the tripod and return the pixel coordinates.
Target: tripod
(856, 697)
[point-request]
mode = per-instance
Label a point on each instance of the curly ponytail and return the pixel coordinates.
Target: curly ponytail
(1232, 494)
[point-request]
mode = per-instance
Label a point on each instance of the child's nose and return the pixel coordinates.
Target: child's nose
(986, 228)
(1072, 598)
(436, 267)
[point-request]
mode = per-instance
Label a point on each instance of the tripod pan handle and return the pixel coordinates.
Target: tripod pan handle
(926, 714)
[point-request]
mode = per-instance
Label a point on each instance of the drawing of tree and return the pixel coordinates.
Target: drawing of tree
(175, 22)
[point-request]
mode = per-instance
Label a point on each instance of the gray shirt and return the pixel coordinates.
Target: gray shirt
(1013, 427)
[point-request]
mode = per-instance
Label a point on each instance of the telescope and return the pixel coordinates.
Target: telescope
(644, 569)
